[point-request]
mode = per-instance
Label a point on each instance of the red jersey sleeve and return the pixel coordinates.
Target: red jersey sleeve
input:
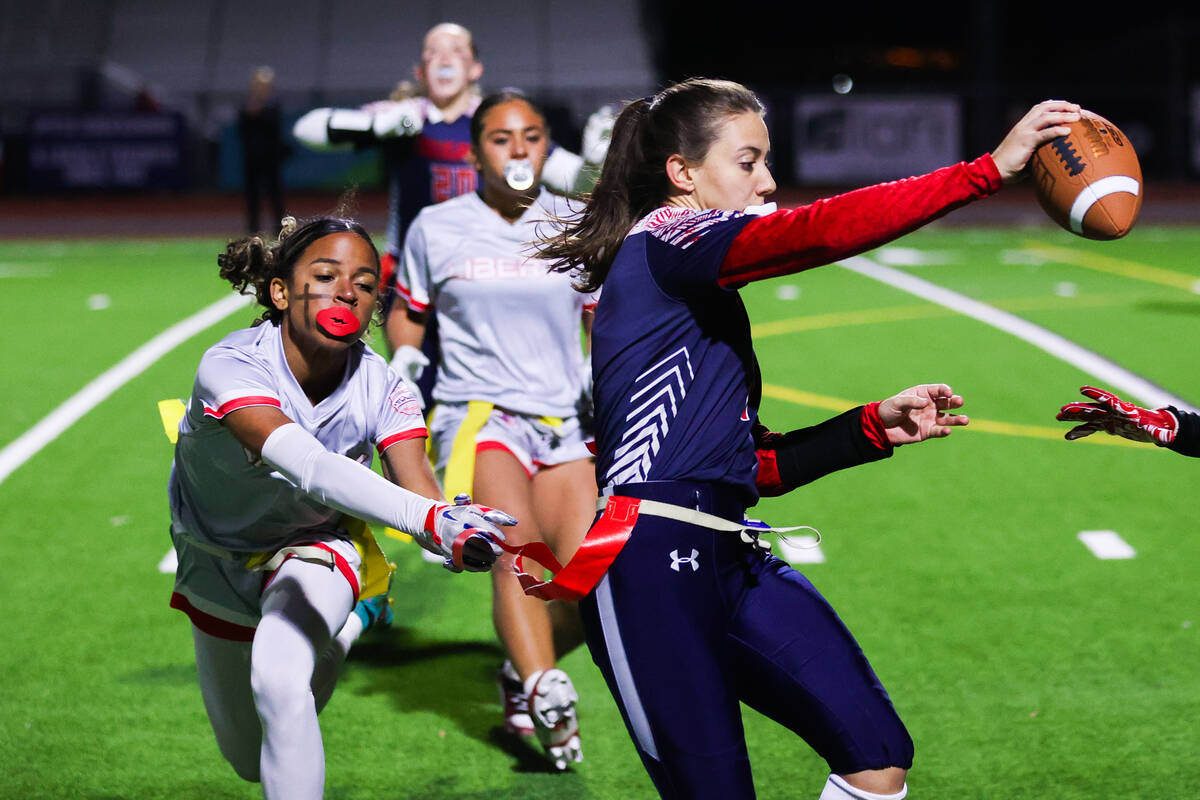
(847, 224)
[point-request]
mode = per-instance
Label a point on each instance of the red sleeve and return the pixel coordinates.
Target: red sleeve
(847, 224)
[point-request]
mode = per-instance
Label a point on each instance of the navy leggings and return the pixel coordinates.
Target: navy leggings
(688, 621)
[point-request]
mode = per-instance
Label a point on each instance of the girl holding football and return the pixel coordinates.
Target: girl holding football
(689, 621)
(506, 426)
(271, 486)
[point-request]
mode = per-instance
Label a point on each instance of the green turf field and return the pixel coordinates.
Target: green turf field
(1024, 666)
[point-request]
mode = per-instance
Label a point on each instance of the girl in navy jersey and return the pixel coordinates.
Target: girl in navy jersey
(270, 488)
(506, 427)
(426, 140)
(690, 619)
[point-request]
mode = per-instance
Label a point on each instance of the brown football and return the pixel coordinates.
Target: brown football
(1089, 181)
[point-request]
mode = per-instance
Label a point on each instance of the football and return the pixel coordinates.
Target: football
(1089, 181)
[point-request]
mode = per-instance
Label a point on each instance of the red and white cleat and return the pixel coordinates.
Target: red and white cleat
(552, 699)
(514, 700)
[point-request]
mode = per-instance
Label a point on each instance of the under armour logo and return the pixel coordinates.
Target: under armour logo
(676, 560)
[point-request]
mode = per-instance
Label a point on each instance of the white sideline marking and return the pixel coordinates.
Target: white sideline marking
(807, 551)
(53, 424)
(1106, 544)
(1107, 372)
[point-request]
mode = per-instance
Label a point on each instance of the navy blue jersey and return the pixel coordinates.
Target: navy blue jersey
(676, 382)
(431, 167)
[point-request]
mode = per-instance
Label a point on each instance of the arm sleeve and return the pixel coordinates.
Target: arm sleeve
(847, 224)
(228, 380)
(400, 418)
(412, 277)
(1187, 439)
(342, 483)
(789, 460)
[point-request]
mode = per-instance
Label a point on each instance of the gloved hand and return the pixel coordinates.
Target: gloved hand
(465, 534)
(337, 128)
(1113, 415)
(398, 117)
(409, 362)
(596, 135)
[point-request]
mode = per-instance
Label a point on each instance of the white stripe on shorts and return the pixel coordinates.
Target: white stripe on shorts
(620, 667)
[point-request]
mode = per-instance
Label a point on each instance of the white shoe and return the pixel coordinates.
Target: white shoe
(169, 563)
(552, 699)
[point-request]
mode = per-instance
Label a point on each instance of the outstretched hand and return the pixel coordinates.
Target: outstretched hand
(466, 535)
(920, 413)
(1118, 417)
(1045, 121)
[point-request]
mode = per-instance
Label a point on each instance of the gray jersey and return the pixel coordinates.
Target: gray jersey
(220, 494)
(509, 328)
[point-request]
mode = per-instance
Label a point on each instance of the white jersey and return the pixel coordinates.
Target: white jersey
(220, 495)
(509, 327)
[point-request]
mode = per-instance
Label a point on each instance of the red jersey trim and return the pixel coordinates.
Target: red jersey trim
(213, 626)
(415, 433)
(494, 445)
(240, 402)
(404, 292)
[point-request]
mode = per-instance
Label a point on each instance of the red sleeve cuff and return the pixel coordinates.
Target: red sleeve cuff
(240, 402)
(872, 426)
(986, 169)
(413, 433)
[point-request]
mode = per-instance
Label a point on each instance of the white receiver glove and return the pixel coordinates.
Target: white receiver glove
(336, 128)
(465, 534)
(596, 135)
(409, 362)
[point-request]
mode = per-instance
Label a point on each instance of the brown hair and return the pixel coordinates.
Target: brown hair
(683, 119)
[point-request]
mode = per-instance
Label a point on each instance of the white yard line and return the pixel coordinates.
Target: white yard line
(1106, 544)
(1107, 373)
(53, 424)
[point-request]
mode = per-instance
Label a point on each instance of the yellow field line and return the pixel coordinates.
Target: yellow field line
(802, 398)
(872, 316)
(1114, 266)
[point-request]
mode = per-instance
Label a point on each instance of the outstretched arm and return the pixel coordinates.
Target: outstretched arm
(1166, 427)
(859, 436)
(341, 128)
(465, 535)
(838, 227)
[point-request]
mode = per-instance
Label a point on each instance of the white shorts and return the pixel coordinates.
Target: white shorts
(223, 597)
(534, 441)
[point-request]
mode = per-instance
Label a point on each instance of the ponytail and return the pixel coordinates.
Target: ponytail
(627, 190)
(684, 119)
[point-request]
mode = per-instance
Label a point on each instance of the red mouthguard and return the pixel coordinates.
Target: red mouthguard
(337, 321)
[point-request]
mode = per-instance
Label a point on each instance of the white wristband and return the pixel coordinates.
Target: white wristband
(343, 483)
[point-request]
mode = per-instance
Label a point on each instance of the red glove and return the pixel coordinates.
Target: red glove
(1113, 415)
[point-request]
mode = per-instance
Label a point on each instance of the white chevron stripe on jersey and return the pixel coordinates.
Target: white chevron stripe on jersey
(659, 391)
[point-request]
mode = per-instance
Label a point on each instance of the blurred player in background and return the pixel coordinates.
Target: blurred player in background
(269, 487)
(427, 145)
(511, 374)
(1166, 427)
(688, 620)
(263, 149)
